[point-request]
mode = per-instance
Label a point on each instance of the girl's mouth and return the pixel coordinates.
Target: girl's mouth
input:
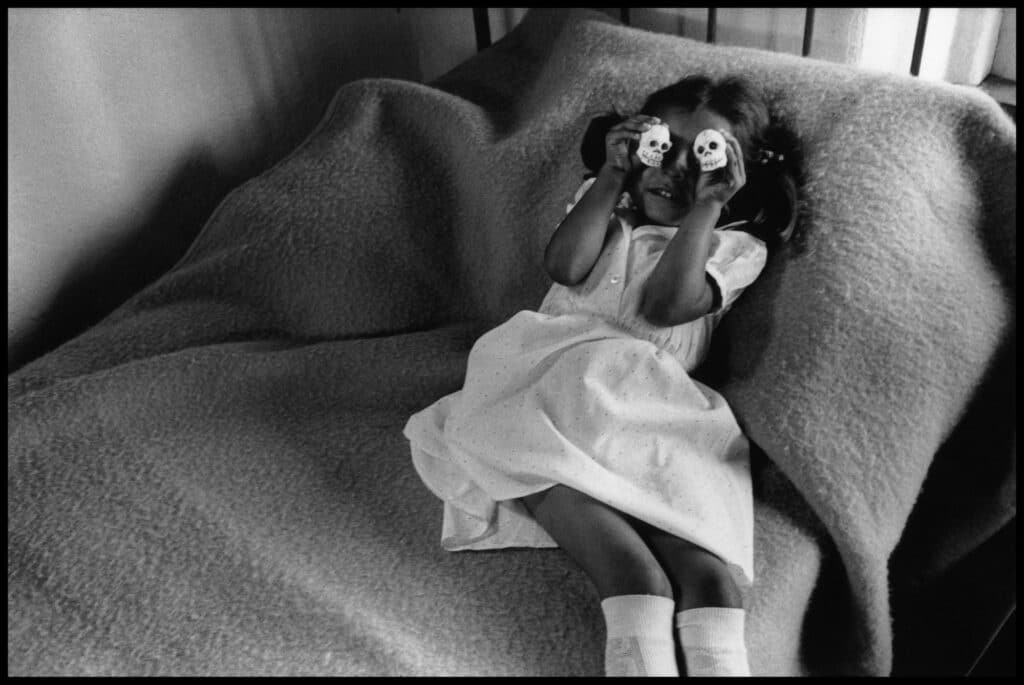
(664, 193)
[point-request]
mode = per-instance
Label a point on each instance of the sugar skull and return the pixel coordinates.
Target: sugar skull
(654, 143)
(709, 146)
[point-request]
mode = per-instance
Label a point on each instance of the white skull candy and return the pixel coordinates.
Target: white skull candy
(709, 146)
(654, 143)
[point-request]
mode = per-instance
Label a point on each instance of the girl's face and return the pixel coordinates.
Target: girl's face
(664, 195)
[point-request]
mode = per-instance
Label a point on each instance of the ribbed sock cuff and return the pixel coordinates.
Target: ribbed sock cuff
(711, 626)
(638, 615)
(713, 641)
(640, 640)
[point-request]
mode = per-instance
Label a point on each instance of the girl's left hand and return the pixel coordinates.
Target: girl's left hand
(718, 186)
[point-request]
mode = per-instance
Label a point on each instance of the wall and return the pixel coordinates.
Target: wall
(127, 126)
(1005, 61)
(780, 29)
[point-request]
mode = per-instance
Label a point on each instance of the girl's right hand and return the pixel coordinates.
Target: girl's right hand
(618, 153)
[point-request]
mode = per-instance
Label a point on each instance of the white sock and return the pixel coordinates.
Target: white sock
(712, 639)
(640, 640)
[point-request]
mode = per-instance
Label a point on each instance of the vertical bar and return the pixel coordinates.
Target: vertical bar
(922, 28)
(624, 15)
(988, 645)
(712, 23)
(482, 26)
(808, 31)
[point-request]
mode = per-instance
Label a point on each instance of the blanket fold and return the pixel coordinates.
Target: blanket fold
(213, 480)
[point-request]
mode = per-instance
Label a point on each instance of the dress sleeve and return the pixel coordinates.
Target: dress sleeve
(736, 261)
(625, 202)
(580, 192)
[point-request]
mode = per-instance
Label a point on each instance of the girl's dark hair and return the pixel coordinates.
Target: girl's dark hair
(769, 200)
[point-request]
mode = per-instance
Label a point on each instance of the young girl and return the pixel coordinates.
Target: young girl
(580, 426)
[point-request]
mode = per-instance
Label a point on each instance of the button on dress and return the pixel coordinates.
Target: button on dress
(585, 392)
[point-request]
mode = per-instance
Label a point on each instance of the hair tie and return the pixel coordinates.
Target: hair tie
(765, 155)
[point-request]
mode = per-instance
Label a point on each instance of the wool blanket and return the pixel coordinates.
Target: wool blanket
(213, 480)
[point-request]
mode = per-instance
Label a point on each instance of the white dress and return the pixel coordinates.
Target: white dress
(586, 393)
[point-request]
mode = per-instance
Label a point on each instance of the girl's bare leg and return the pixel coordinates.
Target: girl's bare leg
(601, 540)
(710, 618)
(699, 578)
(635, 592)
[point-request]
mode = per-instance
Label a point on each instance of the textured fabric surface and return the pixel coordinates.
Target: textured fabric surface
(213, 480)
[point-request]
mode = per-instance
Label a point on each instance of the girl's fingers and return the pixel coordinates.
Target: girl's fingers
(731, 175)
(734, 170)
(644, 119)
(735, 156)
(631, 127)
(622, 137)
(638, 123)
(649, 120)
(734, 144)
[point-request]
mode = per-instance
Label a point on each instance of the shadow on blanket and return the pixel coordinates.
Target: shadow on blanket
(213, 479)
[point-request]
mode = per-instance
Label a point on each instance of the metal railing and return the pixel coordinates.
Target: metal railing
(482, 25)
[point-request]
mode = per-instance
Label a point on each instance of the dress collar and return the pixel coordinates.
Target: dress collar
(645, 229)
(626, 202)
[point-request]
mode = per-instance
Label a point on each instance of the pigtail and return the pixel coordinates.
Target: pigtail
(770, 200)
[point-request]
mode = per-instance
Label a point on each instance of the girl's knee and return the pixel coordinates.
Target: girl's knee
(555, 501)
(634, 574)
(601, 540)
(705, 581)
(699, 577)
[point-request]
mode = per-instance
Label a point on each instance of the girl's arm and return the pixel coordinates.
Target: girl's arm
(677, 291)
(577, 242)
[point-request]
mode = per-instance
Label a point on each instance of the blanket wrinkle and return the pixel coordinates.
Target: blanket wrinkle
(213, 480)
